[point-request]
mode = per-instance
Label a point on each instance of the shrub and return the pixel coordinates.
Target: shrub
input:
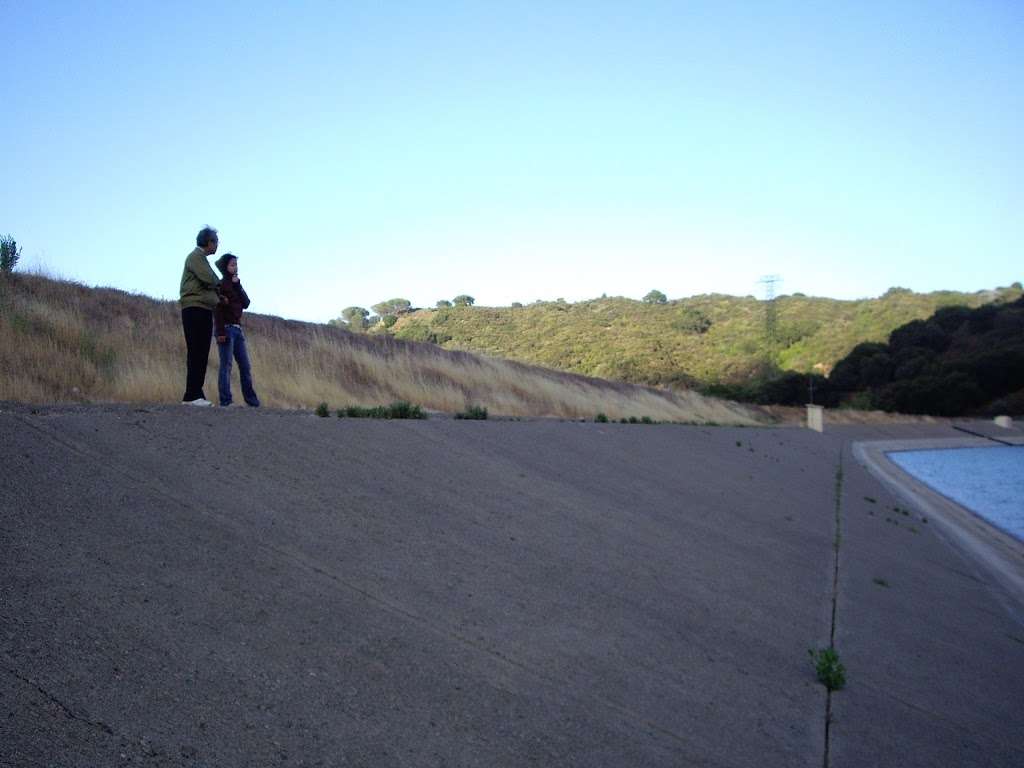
(646, 420)
(830, 671)
(949, 319)
(919, 333)
(473, 412)
(9, 254)
(321, 410)
(692, 320)
(601, 419)
(859, 401)
(399, 409)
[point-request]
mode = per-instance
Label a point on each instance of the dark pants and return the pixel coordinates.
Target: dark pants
(198, 326)
(234, 346)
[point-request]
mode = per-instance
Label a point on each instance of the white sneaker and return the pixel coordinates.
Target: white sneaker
(198, 401)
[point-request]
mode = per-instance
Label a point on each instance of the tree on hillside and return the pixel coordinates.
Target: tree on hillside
(441, 303)
(9, 254)
(655, 297)
(392, 306)
(464, 300)
(897, 290)
(355, 317)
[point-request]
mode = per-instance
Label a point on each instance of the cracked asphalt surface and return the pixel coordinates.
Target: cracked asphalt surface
(188, 587)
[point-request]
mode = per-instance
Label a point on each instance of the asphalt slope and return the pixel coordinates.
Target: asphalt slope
(226, 587)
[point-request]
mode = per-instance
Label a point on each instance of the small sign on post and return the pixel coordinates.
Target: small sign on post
(816, 417)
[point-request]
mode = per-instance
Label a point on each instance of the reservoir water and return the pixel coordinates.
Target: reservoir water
(988, 481)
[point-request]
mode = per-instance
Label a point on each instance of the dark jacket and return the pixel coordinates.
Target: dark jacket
(231, 312)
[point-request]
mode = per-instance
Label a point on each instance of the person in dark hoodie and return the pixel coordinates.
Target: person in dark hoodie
(228, 330)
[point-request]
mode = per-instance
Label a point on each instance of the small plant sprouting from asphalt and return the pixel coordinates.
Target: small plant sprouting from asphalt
(399, 409)
(600, 419)
(830, 671)
(880, 582)
(322, 410)
(473, 412)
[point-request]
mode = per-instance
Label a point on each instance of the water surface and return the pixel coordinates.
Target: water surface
(988, 481)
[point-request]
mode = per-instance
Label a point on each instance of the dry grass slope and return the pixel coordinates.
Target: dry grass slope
(64, 342)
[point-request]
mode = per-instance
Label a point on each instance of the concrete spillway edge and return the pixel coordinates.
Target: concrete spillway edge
(993, 552)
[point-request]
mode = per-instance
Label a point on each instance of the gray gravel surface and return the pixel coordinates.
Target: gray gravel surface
(227, 587)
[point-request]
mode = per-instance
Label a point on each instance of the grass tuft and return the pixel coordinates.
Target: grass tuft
(830, 671)
(397, 410)
(476, 412)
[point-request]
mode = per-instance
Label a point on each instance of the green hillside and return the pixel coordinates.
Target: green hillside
(957, 362)
(699, 341)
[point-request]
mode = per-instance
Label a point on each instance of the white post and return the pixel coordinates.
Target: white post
(816, 418)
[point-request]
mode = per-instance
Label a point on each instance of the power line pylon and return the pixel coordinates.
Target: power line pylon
(771, 316)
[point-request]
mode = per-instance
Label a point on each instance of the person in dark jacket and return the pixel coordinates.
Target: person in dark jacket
(228, 329)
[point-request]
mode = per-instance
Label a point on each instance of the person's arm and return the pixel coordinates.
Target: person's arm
(204, 273)
(218, 322)
(243, 295)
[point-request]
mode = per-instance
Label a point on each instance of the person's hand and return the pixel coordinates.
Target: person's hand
(224, 299)
(234, 278)
(222, 339)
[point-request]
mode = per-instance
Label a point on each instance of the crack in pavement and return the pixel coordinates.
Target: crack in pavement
(63, 707)
(837, 539)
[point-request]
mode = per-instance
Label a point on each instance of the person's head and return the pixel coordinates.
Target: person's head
(207, 240)
(227, 264)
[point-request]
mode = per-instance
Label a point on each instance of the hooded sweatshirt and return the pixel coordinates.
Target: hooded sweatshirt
(230, 313)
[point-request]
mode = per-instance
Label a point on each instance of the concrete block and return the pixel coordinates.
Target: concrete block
(816, 418)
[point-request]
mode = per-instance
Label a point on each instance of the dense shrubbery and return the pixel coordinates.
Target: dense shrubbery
(958, 362)
(702, 341)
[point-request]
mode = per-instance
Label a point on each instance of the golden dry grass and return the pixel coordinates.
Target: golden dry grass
(64, 342)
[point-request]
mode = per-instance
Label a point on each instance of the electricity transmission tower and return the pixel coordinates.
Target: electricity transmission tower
(771, 316)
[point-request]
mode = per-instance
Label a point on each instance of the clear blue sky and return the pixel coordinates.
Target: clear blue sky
(355, 151)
